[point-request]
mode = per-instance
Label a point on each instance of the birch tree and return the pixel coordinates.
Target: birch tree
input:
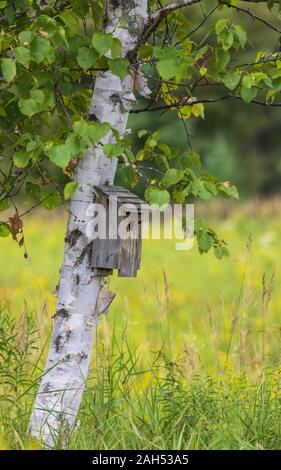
(72, 71)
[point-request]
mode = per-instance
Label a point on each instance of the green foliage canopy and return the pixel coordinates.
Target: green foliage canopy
(50, 54)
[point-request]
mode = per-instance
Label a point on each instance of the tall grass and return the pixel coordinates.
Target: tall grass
(17, 376)
(132, 403)
(188, 358)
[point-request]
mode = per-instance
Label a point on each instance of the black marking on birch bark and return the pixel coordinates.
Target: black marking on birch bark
(82, 356)
(127, 7)
(46, 387)
(115, 3)
(132, 56)
(67, 336)
(58, 343)
(87, 251)
(92, 117)
(116, 98)
(73, 237)
(77, 279)
(62, 312)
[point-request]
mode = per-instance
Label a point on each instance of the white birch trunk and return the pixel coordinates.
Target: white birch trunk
(81, 295)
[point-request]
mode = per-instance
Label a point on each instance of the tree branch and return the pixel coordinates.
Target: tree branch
(174, 6)
(160, 14)
(204, 101)
(252, 15)
(156, 18)
(258, 1)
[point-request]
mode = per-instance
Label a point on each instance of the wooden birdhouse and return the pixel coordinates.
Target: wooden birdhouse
(119, 247)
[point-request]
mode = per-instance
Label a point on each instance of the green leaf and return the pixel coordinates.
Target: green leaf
(200, 53)
(166, 53)
(50, 200)
(98, 14)
(221, 251)
(201, 226)
(142, 133)
(5, 229)
(113, 150)
(145, 51)
(28, 107)
(127, 175)
(119, 67)
(231, 79)
(40, 49)
(227, 40)
(151, 143)
(222, 58)
(32, 190)
(60, 155)
(47, 24)
(85, 133)
(248, 81)
(211, 187)
(86, 57)
(228, 189)
(71, 20)
(198, 110)
(74, 145)
(81, 128)
(10, 14)
(97, 131)
(61, 36)
(168, 63)
(172, 176)
(80, 7)
(159, 197)
(165, 149)
(102, 42)
(8, 69)
(4, 205)
(25, 37)
(69, 189)
(220, 25)
(21, 159)
(34, 147)
(38, 96)
(241, 35)
(23, 55)
(205, 242)
(186, 161)
(168, 68)
(199, 190)
(116, 48)
(248, 94)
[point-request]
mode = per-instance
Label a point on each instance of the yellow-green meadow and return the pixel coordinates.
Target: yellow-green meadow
(192, 342)
(211, 311)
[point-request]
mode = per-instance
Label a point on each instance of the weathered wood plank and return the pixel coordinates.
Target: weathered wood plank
(123, 253)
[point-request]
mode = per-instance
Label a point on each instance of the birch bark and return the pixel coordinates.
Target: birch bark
(81, 294)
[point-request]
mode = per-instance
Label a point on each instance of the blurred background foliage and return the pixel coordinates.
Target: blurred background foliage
(237, 142)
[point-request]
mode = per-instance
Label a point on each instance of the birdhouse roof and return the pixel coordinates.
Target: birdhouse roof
(123, 197)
